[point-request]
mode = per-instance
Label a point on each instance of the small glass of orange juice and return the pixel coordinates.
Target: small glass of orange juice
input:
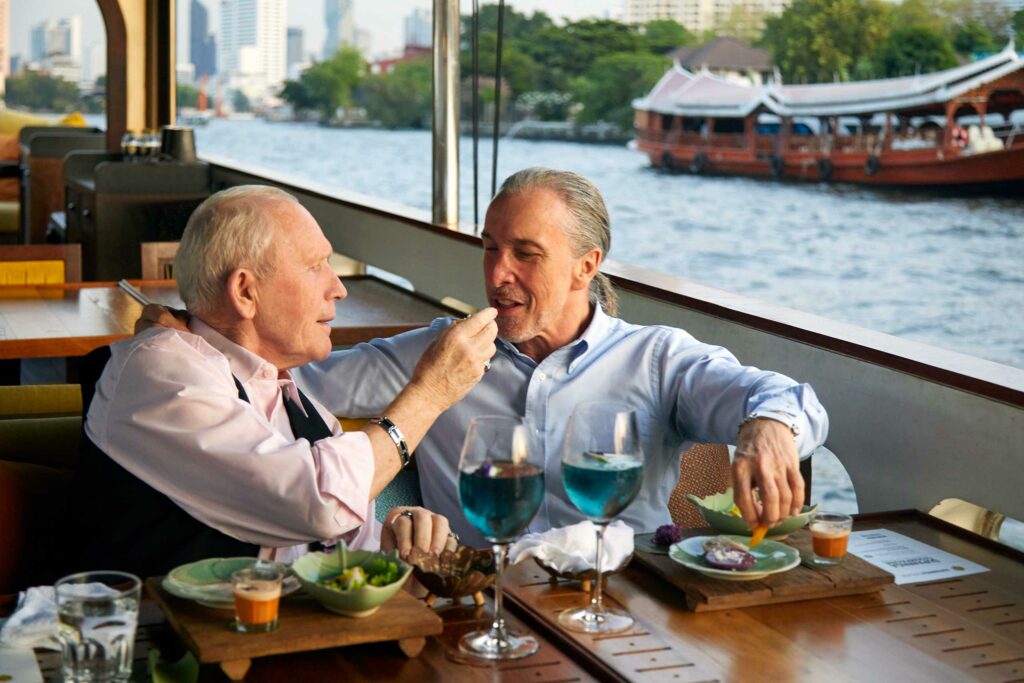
(257, 591)
(830, 532)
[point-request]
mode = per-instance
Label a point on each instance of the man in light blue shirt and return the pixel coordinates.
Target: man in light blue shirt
(545, 236)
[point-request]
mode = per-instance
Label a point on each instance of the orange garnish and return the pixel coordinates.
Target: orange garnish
(759, 532)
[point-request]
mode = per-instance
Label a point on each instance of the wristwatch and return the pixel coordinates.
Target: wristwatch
(778, 417)
(396, 435)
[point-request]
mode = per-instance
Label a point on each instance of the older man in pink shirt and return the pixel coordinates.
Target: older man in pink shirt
(203, 439)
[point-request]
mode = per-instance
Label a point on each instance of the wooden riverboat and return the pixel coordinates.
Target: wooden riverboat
(917, 428)
(949, 128)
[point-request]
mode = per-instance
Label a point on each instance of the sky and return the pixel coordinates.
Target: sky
(382, 18)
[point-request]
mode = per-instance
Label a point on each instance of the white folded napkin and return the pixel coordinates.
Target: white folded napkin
(571, 549)
(34, 622)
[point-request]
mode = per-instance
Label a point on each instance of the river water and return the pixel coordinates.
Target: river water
(943, 270)
(947, 271)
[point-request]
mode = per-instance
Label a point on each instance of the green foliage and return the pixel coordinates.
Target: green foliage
(914, 49)
(820, 40)
(39, 91)
(240, 103)
(327, 85)
(516, 25)
(518, 70)
(743, 22)
(610, 85)
(187, 96)
(401, 99)
(973, 38)
(296, 94)
(1018, 28)
(570, 50)
(665, 35)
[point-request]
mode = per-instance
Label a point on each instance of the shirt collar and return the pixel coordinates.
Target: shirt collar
(245, 365)
(599, 325)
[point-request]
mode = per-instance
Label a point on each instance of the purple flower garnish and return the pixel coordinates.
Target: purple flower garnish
(489, 470)
(667, 534)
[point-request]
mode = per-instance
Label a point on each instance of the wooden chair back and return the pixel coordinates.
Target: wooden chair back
(40, 427)
(38, 264)
(158, 260)
(703, 470)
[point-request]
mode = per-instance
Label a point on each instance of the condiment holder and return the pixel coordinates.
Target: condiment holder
(454, 574)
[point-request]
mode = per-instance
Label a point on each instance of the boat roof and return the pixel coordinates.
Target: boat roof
(684, 93)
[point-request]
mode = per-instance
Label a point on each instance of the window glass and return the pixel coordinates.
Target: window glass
(338, 92)
(935, 265)
(53, 60)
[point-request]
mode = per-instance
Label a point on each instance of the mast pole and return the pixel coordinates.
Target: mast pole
(445, 121)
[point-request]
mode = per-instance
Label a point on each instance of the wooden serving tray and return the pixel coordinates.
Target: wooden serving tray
(703, 593)
(303, 625)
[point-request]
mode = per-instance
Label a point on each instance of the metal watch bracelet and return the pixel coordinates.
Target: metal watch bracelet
(396, 435)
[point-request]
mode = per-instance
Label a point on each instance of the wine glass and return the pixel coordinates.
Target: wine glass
(501, 485)
(602, 471)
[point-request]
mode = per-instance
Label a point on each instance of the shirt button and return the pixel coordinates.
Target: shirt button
(541, 377)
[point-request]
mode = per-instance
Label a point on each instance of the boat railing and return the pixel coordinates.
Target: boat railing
(727, 141)
(912, 424)
(766, 144)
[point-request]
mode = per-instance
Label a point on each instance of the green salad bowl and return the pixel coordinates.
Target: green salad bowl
(715, 509)
(313, 569)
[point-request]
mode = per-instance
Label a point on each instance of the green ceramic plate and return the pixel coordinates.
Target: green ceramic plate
(645, 543)
(208, 581)
(315, 567)
(715, 509)
(772, 558)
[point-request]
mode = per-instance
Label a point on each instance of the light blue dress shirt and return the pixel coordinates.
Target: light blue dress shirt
(684, 391)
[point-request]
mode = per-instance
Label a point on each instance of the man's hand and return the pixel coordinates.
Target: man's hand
(455, 361)
(767, 459)
(409, 527)
(155, 315)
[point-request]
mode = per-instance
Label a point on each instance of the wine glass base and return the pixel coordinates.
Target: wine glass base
(485, 646)
(608, 620)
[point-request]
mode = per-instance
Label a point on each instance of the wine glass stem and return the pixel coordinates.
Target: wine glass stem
(595, 596)
(498, 630)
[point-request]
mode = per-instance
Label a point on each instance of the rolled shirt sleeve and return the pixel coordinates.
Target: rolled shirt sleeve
(166, 409)
(713, 393)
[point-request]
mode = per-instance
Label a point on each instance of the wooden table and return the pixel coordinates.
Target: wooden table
(955, 630)
(52, 321)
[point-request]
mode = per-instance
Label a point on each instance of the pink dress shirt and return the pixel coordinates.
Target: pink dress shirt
(167, 410)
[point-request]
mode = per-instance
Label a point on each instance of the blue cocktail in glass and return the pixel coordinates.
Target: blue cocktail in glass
(501, 485)
(602, 472)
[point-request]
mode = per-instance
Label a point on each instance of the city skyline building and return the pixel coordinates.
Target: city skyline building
(94, 62)
(418, 28)
(339, 18)
(297, 59)
(698, 16)
(295, 50)
(202, 45)
(5, 44)
(251, 53)
(57, 38)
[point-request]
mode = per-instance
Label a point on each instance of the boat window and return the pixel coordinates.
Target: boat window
(729, 125)
(53, 65)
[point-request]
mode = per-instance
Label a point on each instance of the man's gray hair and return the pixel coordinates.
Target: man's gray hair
(591, 228)
(232, 229)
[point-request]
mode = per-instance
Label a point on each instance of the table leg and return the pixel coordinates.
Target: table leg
(411, 647)
(235, 668)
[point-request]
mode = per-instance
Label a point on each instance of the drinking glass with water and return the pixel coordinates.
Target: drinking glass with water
(602, 471)
(501, 485)
(96, 617)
